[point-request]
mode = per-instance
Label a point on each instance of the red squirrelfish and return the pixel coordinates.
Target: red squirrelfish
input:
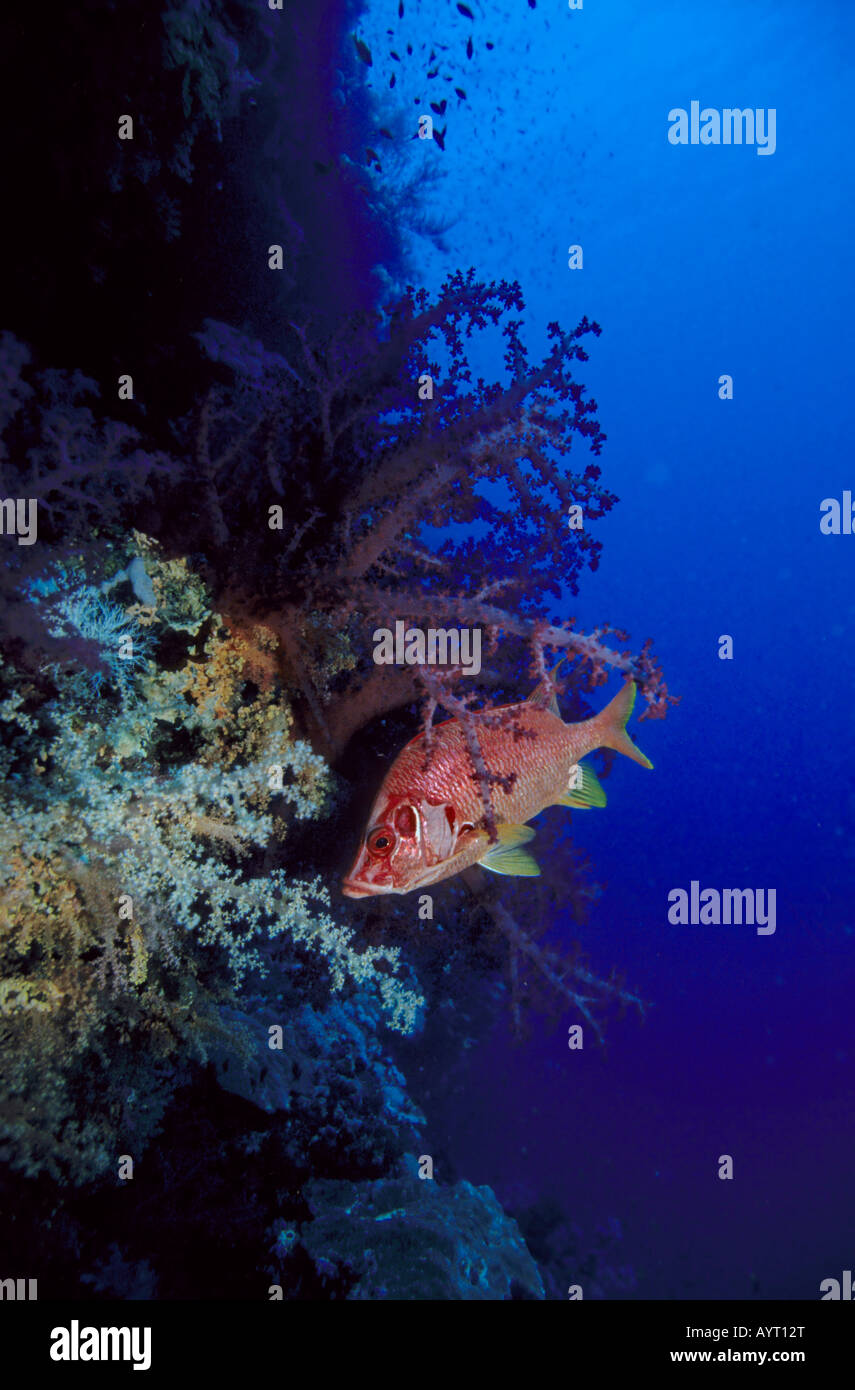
(428, 820)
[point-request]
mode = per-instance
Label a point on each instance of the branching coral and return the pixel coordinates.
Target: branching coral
(153, 831)
(367, 496)
(122, 646)
(143, 879)
(329, 487)
(80, 467)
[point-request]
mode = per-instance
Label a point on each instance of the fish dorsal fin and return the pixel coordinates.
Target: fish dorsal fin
(543, 696)
(584, 789)
(506, 855)
(540, 698)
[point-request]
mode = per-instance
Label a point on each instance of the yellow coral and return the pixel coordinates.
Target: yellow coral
(18, 993)
(181, 599)
(138, 972)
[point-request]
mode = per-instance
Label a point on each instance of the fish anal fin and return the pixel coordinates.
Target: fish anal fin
(584, 789)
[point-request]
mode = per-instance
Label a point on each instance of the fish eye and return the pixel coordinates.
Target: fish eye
(381, 841)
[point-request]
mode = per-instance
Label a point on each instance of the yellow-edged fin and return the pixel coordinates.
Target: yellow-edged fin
(609, 725)
(506, 855)
(543, 696)
(588, 791)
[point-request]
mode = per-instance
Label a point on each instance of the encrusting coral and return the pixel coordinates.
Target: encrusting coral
(422, 1241)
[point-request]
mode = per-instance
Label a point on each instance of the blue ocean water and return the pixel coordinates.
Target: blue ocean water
(698, 261)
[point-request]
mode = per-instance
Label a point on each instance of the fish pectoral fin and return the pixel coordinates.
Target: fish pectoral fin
(585, 790)
(506, 855)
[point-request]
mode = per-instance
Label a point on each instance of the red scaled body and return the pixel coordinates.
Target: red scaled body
(427, 822)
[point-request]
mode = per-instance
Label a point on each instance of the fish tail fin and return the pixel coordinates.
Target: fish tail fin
(610, 725)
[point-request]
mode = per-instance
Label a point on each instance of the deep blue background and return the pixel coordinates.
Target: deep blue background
(698, 261)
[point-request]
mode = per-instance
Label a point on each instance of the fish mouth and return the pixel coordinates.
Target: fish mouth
(352, 888)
